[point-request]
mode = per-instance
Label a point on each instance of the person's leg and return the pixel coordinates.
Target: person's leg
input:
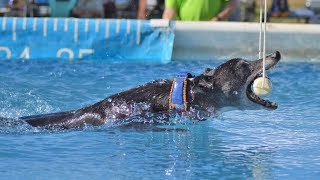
(275, 9)
(110, 10)
(284, 8)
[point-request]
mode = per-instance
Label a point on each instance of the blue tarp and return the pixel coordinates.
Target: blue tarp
(98, 39)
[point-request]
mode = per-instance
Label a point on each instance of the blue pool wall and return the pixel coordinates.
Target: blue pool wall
(151, 40)
(98, 39)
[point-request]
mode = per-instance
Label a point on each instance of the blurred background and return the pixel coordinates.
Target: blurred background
(279, 11)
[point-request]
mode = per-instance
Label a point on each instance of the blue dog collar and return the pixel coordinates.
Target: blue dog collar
(178, 93)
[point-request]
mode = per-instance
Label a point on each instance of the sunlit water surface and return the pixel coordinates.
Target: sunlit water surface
(280, 144)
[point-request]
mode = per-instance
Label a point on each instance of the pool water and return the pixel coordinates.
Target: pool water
(280, 144)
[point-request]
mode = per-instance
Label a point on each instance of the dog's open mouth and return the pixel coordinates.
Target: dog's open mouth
(271, 61)
(256, 99)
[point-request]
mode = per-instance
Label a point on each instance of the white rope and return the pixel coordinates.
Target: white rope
(260, 35)
(264, 38)
(262, 42)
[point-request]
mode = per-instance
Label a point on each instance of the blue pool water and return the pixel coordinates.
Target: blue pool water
(281, 144)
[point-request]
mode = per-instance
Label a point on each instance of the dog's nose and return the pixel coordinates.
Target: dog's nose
(276, 55)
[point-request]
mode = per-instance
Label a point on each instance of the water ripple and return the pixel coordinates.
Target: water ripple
(281, 144)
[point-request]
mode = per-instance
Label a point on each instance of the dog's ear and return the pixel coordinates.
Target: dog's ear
(208, 72)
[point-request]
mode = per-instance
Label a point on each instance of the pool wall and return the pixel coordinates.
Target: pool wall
(215, 40)
(150, 41)
(98, 39)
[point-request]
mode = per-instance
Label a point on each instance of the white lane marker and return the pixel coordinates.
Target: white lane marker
(34, 24)
(24, 23)
(14, 27)
(66, 20)
(55, 24)
(76, 30)
(128, 26)
(118, 26)
(45, 22)
(138, 32)
(86, 25)
(4, 22)
(97, 25)
(107, 28)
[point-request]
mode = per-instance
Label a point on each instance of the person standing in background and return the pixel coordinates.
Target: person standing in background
(279, 8)
(198, 10)
(18, 8)
(150, 9)
(88, 9)
(3, 7)
(121, 9)
(3, 3)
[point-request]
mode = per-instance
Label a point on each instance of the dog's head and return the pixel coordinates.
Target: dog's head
(230, 84)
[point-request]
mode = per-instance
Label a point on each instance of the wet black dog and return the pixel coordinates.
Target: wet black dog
(225, 88)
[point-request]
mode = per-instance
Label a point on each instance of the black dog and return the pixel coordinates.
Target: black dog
(225, 88)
